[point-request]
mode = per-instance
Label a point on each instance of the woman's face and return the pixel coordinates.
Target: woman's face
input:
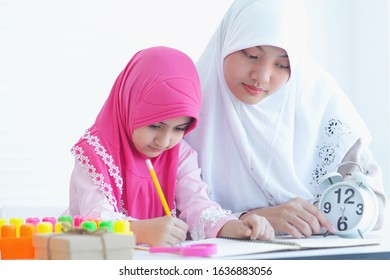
(255, 73)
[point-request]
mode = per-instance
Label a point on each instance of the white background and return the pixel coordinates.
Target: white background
(59, 59)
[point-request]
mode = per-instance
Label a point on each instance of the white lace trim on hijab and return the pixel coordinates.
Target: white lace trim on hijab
(98, 178)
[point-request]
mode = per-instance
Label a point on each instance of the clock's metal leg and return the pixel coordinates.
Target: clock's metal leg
(360, 233)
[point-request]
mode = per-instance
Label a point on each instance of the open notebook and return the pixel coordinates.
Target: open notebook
(235, 247)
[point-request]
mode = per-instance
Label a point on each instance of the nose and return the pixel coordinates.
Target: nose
(163, 140)
(261, 74)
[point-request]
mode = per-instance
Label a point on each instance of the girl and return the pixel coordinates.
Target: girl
(154, 102)
(273, 122)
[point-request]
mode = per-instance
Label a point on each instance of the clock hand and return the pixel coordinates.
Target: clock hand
(342, 207)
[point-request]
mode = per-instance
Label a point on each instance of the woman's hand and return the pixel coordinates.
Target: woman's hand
(297, 217)
(163, 231)
(252, 226)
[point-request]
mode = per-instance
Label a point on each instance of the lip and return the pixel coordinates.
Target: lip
(253, 90)
(154, 150)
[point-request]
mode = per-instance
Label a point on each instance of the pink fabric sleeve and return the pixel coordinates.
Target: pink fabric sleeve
(204, 217)
(85, 199)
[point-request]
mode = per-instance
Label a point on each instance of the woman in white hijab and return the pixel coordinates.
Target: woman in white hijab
(273, 122)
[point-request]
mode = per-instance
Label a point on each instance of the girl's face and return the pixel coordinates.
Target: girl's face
(154, 139)
(255, 73)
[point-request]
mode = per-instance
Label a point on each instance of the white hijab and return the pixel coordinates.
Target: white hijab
(255, 156)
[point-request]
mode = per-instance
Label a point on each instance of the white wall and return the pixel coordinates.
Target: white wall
(58, 60)
(350, 38)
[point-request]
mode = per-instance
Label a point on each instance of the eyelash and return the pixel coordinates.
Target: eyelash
(176, 128)
(253, 57)
(249, 55)
(283, 66)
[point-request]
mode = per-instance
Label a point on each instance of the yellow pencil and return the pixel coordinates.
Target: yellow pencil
(158, 187)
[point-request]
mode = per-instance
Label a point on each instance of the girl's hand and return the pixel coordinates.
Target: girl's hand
(163, 231)
(297, 217)
(252, 226)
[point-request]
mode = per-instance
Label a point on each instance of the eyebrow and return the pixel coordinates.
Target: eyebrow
(282, 56)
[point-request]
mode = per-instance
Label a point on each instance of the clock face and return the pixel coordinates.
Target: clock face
(343, 206)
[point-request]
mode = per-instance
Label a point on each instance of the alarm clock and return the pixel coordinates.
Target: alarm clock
(349, 203)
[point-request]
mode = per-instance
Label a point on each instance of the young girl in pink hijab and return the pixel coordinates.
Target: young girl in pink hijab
(154, 102)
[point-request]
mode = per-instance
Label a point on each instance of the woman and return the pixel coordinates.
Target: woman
(272, 121)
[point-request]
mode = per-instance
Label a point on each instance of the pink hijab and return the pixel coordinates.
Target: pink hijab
(157, 84)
